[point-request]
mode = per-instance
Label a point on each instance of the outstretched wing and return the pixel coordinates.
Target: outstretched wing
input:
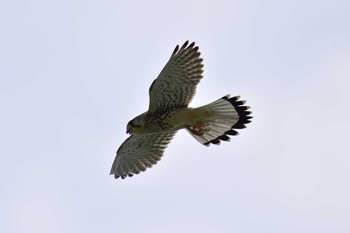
(176, 84)
(139, 152)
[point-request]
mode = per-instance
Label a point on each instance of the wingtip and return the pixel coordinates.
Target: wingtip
(175, 50)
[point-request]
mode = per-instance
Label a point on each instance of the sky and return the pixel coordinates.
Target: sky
(73, 73)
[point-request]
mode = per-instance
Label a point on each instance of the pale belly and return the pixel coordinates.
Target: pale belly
(189, 117)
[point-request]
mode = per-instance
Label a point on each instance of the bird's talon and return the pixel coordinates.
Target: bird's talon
(199, 130)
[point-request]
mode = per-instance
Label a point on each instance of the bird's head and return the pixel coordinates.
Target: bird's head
(136, 125)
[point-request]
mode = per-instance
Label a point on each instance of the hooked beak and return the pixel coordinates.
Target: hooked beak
(128, 129)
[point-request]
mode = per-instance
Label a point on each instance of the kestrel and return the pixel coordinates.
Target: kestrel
(168, 112)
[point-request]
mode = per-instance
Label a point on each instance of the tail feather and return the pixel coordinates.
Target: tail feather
(244, 115)
(229, 114)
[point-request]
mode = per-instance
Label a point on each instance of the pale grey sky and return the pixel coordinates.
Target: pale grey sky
(73, 73)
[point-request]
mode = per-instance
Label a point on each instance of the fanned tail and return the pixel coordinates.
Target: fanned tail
(229, 114)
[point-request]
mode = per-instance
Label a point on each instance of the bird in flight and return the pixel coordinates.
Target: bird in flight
(168, 112)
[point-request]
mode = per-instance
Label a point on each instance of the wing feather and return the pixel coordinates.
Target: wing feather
(139, 152)
(176, 84)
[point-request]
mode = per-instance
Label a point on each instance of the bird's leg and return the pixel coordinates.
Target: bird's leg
(199, 129)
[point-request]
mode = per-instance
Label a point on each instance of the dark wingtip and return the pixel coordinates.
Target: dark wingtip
(175, 50)
(184, 47)
(123, 177)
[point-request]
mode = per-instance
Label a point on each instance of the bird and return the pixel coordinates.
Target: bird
(168, 111)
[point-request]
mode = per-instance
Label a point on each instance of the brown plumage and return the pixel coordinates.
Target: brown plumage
(168, 112)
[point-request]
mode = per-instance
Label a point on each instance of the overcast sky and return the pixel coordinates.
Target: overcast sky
(73, 73)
